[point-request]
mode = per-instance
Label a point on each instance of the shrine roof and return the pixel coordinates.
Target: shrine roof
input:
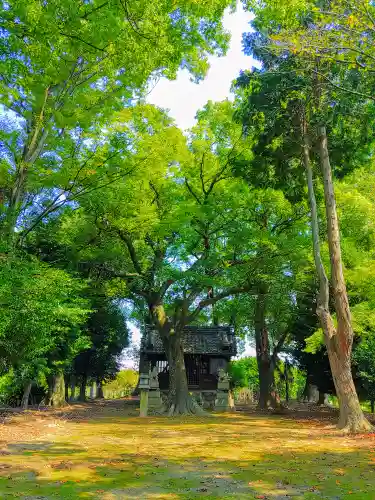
(219, 340)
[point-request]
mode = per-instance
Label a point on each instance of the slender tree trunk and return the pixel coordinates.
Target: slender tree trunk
(372, 403)
(58, 394)
(72, 388)
(99, 390)
(48, 398)
(262, 349)
(82, 388)
(338, 340)
(66, 389)
(93, 390)
(31, 151)
(26, 395)
(286, 374)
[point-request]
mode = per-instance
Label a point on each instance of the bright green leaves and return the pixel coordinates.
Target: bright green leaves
(40, 306)
(68, 66)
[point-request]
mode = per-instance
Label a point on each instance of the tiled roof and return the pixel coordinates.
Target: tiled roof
(196, 340)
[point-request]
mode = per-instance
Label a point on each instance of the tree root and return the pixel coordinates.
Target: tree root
(360, 426)
(186, 407)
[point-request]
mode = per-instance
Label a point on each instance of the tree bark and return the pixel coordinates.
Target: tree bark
(93, 390)
(338, 340)
(48, 398)
(286, 374)
(26, 395)
(99, 390)
(179, 401)
(66, 389)
(72, 388)
(82, 389)
(32, 149)
(58, 394)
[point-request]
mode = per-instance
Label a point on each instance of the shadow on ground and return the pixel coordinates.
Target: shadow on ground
(235, 456)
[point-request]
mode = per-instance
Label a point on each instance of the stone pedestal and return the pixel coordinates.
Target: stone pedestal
(144, 386)
(143, 403)
(223, 401)
(155, 402)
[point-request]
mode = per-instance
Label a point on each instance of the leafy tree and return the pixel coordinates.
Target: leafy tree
(161, 238)
(42, 310)
(68, 66)
(306, 105)
(123, 385)
(244, 373)
(108, 333)
(363, 359)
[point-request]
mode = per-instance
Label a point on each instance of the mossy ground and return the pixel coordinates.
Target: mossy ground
(116, 455)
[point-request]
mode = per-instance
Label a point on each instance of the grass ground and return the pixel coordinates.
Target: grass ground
(109, 453)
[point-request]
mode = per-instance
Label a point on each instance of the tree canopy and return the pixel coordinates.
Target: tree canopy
(260, 217)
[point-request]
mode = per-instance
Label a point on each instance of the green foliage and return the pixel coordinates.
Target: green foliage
(244, 373)
(122, 386)
(109, 335)
(364, 362)
(42, 312)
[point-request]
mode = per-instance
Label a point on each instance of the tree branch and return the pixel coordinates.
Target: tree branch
(192, 192)
(132, 252)
(212, 300)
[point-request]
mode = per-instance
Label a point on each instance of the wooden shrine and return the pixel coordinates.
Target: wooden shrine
(207, 349)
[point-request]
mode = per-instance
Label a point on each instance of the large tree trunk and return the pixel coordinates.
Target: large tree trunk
(262, 350)
(338, 340)
(58, 393)
(82, 389)
(26, 394)
(179, 401)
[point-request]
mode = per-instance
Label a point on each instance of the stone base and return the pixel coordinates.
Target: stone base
(223, 402)
(208, 399)
(205, 399)
(155, 402)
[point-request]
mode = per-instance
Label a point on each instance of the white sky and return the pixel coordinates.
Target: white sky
(184, 98)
